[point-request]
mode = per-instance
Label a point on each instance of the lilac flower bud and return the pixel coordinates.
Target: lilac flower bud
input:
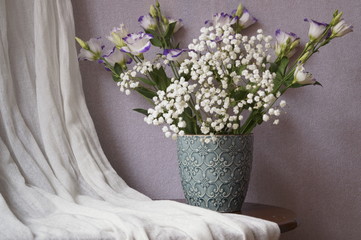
(286, 43)
(246, 19)
(178, 25)
(316, 29)
(93, 51)
(303, 77)
(341, 29)
(147, 22)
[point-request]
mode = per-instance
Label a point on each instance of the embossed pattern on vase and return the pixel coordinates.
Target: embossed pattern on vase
(215, 175)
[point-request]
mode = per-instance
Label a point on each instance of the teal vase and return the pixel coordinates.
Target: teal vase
(215, 173)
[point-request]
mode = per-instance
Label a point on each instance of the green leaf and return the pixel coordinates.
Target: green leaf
(117, 68)
(160, 78)
(141, 110)
(116, 78)
(274, 67)
(298, 85)
(145, 80)
(153, 32)
(156, 42)
(170, 30)
(191, 122)
(283, 66)
(239, 94)
(146, 92)
(240, 69)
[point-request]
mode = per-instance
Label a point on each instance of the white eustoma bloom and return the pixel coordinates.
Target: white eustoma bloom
(116, 56)
(93, 51)
(303, 77)
(246, 19)
(178, 25)
(316, 29)
(117, 34)
(221, 19)
(137, 43)
(178, 55)
(341, 29)
(147, 22)
(286, 43)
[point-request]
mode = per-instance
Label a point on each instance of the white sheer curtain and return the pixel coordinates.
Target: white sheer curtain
(55, 182)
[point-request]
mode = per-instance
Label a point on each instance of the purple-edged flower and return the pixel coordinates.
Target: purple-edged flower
(303, 77)
(137, 43)
(176, 54)
(246, 19)
(286, 43)
(117, 35)
(178, 25)
(92, 51)
(316, 29)
(222, 19)
(117, 56)
(341, 29)
(147, 22)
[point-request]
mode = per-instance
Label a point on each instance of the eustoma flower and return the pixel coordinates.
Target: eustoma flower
(178, 25)
(147, 22)
(137, 43)
(91, 50)
(286, 43)
(222, 19)
(117, 35)
(246, 19)
(316, 29)
(341, 29)
(303, 77)
(116, 56)
(176, 54)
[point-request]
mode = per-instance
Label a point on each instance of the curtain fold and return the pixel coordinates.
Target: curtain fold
(55, 181)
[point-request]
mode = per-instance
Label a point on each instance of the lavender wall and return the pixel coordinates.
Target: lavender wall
(310, 163)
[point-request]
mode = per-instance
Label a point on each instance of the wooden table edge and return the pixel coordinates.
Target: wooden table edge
(285, 218)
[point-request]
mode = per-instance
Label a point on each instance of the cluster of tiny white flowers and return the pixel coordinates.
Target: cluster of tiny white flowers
(128, 80)
(221, 62)
(169, 105)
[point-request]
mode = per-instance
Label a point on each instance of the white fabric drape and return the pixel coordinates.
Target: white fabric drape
(55, 182)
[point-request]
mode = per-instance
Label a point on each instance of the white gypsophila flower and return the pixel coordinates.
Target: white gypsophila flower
(128, 78)
(221, 66)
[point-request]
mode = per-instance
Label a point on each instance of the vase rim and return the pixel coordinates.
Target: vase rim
(217, 135)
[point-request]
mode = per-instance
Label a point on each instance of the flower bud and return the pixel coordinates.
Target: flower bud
(303, 77)
(304, 57)
(286, 43)
(117, 35)
(341, 29)
(147, 22)
(157, 5)
(239, 11)
(82, 43)
(165, 20)
(153, 12)
(316, 29)
(336, 18)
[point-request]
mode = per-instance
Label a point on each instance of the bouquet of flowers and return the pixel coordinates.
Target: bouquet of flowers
(224, 82)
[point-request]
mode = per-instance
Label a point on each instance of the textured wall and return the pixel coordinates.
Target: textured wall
(310, 163)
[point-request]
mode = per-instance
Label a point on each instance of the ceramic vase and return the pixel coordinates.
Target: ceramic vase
(215, 171)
